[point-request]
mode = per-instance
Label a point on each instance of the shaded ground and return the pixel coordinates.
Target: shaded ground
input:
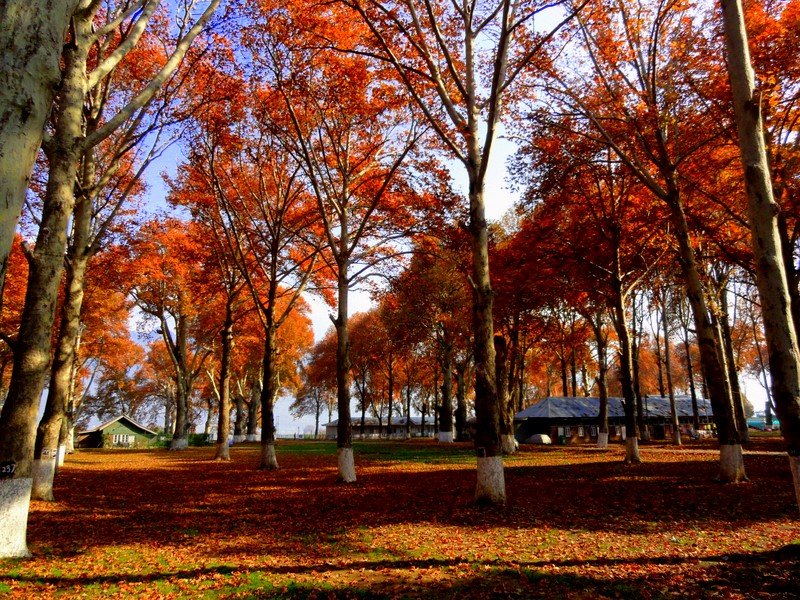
(579, 524)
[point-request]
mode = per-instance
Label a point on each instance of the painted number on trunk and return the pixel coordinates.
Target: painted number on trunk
(7, 468)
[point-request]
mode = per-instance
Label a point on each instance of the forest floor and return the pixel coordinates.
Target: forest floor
(578, 524)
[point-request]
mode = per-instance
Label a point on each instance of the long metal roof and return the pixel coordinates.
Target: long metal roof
(559, 407)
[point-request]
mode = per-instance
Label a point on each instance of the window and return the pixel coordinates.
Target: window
(122, 439)
(580, 431)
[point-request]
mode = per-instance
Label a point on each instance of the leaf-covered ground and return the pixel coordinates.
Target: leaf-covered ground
(578, 524)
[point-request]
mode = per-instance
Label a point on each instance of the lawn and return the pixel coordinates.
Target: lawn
(578, 524)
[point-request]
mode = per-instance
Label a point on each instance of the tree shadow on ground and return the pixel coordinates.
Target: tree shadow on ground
(770, 573)
(182, 500)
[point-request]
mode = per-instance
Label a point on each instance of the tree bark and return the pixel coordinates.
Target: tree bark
(239, 421)
(46, 265)
(490, 488)
(31, 41)
(730, 364)
(408, 410)
(710, 354)
(779, 328)
(509, 443)
(602, 380)
(461, 404)
(253, 411)
(673, 409)
(390, 395)
(224, 420)
(445, 423)
(626, 380)
(690, 376)
(49, 431)
(269, 391)
(344, 433)
(642, 430)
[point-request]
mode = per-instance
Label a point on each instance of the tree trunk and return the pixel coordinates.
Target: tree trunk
(461, 404)
(690, 375)
(31, 42)
(209, 415)
(390, 394)
(344, 434)
(730, 364)
(673, 409)
(183, 384)
(224, 420)
(710, 353)
(602, 380)
(445, 423)
(253, 412)
(490, 488)
(180, 438)
(509, 443)
(46, 265)
(626, 380)
(168, 413)
(363, 417)
(573, 372)
(660, 364)
(408, 411)
(642, 430)
(268, 393)
(423, 412)
(49, 431)
(779, 328)
(437, 404)
(239, 421)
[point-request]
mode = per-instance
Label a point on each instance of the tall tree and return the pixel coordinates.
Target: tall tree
(458, 62)
(779, 327)
(64, 150)
(639, 98)
(351, 139)
(240, 180)
(163, 278)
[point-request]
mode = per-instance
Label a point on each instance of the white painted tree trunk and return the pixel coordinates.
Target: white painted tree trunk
(62, 454)
(446, 437)
(44, 471)
(347, 466)
(223, 451)
(731, 463)
(602, 440)
(71, 441)
(269, 460)
(491, 486)
(251, 437)
(238, 439)
(632, 450)
(179, 443)
(510, 445)
(15, 501)
(676, 437)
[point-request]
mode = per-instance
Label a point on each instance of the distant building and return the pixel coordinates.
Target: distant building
(120, 432)
(375, 429)
(575, 420)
